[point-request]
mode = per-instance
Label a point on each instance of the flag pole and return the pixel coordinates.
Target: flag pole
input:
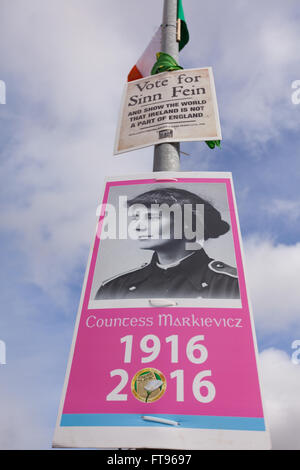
(167, 155)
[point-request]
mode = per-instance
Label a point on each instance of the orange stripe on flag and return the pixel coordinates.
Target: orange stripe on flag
(134, 74)
(144, 64)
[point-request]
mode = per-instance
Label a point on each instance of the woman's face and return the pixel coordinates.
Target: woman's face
(152, 228)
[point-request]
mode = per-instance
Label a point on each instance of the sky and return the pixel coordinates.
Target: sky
(64, 64)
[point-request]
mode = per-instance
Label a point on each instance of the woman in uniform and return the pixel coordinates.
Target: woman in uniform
(180, 267)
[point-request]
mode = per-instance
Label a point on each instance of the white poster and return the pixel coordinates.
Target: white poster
(178, 106)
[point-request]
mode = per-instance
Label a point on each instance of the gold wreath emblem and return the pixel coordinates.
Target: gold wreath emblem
(148, 385)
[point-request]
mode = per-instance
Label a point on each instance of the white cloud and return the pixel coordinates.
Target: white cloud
(288, 210)
(278, 40)
(273, 283)
(280, 387)
(21, 428)
(253, 49)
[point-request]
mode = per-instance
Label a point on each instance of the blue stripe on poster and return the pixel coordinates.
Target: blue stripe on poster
(185, 421)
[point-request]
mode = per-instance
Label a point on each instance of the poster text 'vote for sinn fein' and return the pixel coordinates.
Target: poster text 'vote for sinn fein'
(168, 107)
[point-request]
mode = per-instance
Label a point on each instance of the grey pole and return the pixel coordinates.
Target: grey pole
(167, 155)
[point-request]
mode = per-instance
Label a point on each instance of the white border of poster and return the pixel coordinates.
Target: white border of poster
(127, 429)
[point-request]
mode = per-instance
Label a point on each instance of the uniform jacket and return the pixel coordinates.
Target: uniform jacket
(196, 276)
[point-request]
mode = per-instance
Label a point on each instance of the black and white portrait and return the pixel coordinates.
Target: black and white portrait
(177, 244)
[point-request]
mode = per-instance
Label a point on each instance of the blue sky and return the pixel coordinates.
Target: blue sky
(65, 64)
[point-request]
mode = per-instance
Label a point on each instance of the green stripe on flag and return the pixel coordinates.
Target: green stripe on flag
(184, 34)
(213, 143)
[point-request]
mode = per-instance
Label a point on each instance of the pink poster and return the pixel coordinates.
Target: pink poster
(164, 352)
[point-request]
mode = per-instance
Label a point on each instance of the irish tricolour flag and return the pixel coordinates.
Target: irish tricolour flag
(145, 63)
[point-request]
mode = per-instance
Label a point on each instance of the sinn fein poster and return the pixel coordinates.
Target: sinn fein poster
(176, 106)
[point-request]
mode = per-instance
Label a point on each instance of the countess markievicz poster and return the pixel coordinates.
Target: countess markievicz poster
(164, 328)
